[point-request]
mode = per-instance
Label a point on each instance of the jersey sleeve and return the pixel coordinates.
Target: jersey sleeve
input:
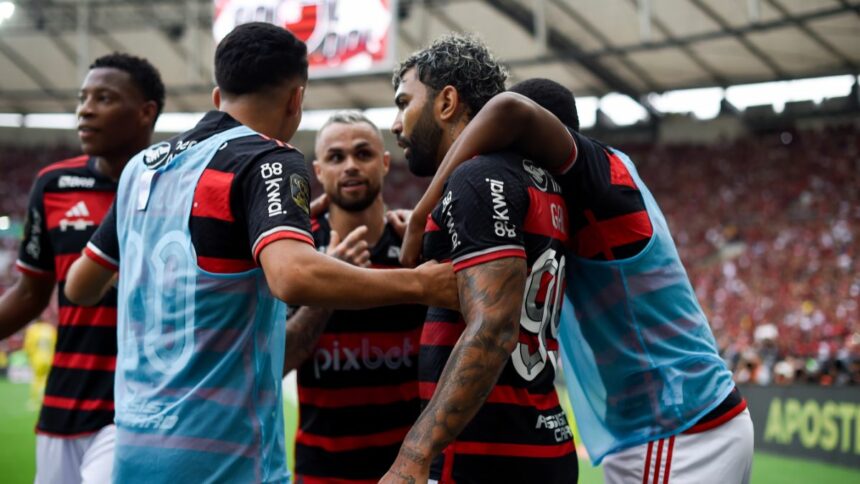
(572, 157)
(483, 210)
(36, 255)
(275, 196)
(588, 178)
(103, 247)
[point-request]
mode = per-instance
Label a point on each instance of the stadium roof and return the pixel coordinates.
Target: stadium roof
(594, 47)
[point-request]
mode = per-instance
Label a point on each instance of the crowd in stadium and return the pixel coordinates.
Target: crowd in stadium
(767, 226)
(768, 229)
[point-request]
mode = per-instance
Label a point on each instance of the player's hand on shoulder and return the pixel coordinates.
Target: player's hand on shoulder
(353, 249)
(399, 219)
(319, 205)
(440, 284)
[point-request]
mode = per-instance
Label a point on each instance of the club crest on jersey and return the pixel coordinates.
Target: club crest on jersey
(301, 192)
(156, 155)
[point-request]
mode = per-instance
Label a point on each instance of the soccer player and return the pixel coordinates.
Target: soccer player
(358, 385)
(653, 399)
(210, 230)
(118, 104)
(40, 338)
(486, 375)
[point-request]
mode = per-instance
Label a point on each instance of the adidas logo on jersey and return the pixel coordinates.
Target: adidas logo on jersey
(75, 218)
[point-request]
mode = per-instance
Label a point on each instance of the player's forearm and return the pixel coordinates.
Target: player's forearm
(492, 300)
(87, 282)
(23, 303)
(304, 328)
(507, 121)
(472, 370)
(301, 276)
(327, 282)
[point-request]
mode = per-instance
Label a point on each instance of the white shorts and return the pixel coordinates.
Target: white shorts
(722, 455)
(86, 460)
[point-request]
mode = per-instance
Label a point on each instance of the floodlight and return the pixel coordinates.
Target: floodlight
(7, 9)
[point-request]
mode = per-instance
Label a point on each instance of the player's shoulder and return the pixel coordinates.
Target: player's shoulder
(75, 165)
(71, 175)
(499, 163)
(254, 153)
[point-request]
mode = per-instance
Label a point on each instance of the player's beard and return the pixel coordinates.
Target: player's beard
(359, 204)
(424, 144)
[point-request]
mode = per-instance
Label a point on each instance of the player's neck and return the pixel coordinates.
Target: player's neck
(256, 113)
(344, 221)
(111, 166)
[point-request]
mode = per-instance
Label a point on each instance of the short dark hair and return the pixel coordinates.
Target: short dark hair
(553, 97)
(256, 56)
(143, 74)
(462, 61)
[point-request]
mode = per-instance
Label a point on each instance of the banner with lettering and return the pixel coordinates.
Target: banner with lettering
(816, 422)
(344, 37)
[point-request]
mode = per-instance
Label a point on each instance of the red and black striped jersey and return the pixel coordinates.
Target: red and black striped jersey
(67, 203)
(609, 221)
(607, 212)
(254, 191)
(498, 206)
(358, 392)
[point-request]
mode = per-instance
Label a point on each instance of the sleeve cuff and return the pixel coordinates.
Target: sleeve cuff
(278, 233)
(571, 159)
(483, 256)
(99, 257)
(33, 271)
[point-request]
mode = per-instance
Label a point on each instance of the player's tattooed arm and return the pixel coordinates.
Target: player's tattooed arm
(304, 328)
(491, 296)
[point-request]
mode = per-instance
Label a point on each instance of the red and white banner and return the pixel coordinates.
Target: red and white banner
(344, 37)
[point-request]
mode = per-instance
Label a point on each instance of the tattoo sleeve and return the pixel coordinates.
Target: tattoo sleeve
(491, 296)
(304, 328)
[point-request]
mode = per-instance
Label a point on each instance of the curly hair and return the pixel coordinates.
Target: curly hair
(143, 74)
(461, 61)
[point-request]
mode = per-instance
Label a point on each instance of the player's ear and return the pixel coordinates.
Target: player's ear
(216, 97)
(447, 104)
(316, 165)
(148, 112)
(294, 104)
(386, 162)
